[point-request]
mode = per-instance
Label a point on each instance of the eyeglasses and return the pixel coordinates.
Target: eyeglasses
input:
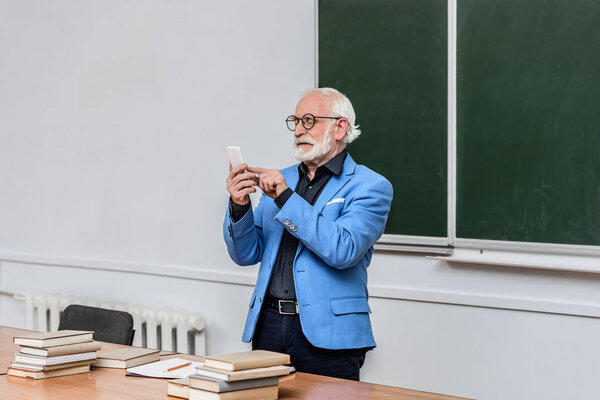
(308, 121)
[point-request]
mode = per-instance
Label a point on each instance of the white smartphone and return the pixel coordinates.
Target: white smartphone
(235, 156)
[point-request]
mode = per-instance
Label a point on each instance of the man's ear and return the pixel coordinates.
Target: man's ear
(341, 128)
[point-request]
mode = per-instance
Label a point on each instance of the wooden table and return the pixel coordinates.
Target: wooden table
(112, 384)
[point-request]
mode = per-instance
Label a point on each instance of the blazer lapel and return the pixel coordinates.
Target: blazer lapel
(336, 183)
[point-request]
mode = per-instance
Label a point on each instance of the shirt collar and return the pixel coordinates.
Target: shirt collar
(333, 166)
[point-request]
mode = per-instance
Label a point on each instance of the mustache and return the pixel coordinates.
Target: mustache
(307, 139)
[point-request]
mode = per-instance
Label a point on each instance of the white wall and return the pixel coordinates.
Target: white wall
(115, 118)
(113, 121)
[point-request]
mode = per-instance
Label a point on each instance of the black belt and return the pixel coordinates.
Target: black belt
(284, 307)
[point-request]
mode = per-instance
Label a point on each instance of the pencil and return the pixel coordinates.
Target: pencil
(179, 366)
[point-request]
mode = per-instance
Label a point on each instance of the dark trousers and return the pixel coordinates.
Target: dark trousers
(283, 333)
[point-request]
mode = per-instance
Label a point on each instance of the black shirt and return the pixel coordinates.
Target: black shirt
(282, 280)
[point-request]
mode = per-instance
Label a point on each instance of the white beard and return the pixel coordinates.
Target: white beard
(318, 150)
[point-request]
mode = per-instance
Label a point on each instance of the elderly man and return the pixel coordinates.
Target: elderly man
(313, 232)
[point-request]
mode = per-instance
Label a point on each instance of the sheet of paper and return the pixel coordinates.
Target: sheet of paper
(158, 369)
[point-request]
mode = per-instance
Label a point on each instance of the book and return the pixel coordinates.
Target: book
(34, 367)
(126, 357)
(219, 386)
(179, 388)
(262, 393)
(233, 376)
(48, 374)
(246, 360)
(38, 360)
(62, 349)
(56, 338)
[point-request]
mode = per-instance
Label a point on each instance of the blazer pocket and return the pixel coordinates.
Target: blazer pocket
(332, 211)
(350, 305)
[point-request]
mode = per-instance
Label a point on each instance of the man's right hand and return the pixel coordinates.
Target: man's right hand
(240, 184)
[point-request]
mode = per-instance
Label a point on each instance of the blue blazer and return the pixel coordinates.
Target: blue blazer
(336, 235)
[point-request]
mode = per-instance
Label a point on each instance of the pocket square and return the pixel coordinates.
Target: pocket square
(338, 200)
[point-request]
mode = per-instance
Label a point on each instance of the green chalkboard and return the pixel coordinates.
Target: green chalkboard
(390, 58)
(528, 120)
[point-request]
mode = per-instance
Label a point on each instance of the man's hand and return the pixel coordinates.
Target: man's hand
(240, 184)
(270, 181)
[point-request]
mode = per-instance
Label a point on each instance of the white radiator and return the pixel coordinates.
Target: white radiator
(155, 327)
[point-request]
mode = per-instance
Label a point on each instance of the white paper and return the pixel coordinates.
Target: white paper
(158, 369)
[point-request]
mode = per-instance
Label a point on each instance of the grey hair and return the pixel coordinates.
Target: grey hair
(340, 106)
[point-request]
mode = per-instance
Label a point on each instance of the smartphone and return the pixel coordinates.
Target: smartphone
(235, 156)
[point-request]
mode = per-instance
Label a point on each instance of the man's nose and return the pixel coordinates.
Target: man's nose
(300, 130)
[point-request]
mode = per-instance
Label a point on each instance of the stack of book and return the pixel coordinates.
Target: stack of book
(247, 375)
(50, 354)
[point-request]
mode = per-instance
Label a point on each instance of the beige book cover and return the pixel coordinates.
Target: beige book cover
(34, 367)
(126, 357)
(48, 374)
(262, 393)
(233, 376)
(179, 388)
(246, 360)
(56, 338)
(61, 350)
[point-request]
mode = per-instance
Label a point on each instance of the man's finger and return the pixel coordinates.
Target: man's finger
(243, 176)
(258, 170)
(237, 170)
(247, 191)
(262, 186)
(240, 168)
(244, 184)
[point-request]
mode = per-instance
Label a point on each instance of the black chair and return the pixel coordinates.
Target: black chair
(108, 325)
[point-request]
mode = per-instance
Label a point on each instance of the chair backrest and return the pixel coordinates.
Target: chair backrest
(109, 325)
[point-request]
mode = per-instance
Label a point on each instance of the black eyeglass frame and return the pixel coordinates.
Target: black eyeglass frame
(293, 118)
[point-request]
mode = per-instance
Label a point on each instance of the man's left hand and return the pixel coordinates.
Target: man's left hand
(271, 182)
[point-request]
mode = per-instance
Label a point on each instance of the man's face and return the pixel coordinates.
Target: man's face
(315, 143)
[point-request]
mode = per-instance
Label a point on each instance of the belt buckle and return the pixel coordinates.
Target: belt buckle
(287, 301)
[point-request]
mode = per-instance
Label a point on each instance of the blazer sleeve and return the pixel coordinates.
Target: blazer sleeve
(341, 243)
(244, 238)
